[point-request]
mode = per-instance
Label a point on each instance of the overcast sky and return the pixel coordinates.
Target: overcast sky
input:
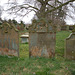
(27, 19)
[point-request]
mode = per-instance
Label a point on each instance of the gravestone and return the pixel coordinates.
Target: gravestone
(64, 28)
(71, 27)
(42, 39)
(70, 46)
(9, 40)
(24, 38)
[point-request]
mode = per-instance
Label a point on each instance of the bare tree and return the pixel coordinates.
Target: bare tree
(48, 9)
(0, 13)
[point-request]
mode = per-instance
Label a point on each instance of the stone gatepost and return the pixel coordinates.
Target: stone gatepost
(70, 46)
(42, 39)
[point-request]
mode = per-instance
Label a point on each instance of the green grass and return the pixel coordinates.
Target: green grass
(60, 42)
(24, 50)
(39, 66)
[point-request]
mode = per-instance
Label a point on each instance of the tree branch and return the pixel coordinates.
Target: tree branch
(60, 6)
(51, 6)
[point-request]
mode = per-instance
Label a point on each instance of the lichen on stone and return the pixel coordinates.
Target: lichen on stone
(42, 25)
(7, 25)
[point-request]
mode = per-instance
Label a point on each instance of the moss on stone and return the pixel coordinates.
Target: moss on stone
(8, 25)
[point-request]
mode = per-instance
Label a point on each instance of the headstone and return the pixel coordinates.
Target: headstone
(64, 28)
(58, 28)
(24, 38)
(70, 46)
(71, 27)
(42, 39)
(9, 40)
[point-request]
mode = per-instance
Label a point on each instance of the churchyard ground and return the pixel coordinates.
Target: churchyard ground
(39, 66)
